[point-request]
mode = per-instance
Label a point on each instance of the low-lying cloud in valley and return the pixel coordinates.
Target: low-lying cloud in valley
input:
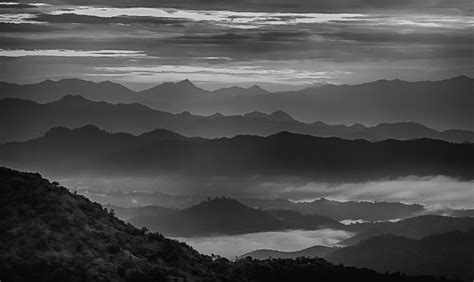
(232, 246)
(437, 190)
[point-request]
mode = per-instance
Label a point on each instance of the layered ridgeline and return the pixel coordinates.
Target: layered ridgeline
(132, 203)
(50, 234)
(222, 216)
(89, 150)
(22, 119)
(439, 104)
(225, 216)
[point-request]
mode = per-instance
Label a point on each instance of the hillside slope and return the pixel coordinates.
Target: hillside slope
(50, 234)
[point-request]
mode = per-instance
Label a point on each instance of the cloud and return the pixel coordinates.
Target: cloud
(225, 18)
(70, 53)
(293, 240)
(435, 190)
(234, 74)
(339, 43)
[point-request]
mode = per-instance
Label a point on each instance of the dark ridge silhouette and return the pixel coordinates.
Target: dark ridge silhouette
(51, 234)
(222, 216)
(23, 119)
(91, 150)
(439, 104)
(311, 252)
(369, 211)
(307, 221)
(448, 254)
(215, 216)
(415, 228)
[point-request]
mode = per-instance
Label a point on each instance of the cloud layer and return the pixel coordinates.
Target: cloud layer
(296, 44)
(293, 240)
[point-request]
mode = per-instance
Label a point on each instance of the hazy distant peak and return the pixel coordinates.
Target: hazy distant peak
(72, 99)
(281, 116)
(222, 204)
(255, 114)
(461, 78)
(185, 82)
(89, 128)
(358, 126)
(257, 89)
(84, 130)
(216, 115)
(162, 134)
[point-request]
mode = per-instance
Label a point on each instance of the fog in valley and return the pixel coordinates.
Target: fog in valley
(291, 240)
(432, 191)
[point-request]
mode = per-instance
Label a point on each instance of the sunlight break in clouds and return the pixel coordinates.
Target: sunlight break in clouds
(71, 53)
(293, 240)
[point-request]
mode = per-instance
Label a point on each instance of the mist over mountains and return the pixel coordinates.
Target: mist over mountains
(439, 104)
(22, 120)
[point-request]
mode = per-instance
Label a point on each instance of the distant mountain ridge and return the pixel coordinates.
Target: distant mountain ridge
(132, 202)
(311, 252)
(439, 104)
(224, 216)
(91, 150)
(22, 119)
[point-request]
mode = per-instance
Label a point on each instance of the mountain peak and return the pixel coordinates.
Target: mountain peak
(222, 204)
(281, 116)
(255, 114)
(257, 90)
(186, 83)
(72, 99)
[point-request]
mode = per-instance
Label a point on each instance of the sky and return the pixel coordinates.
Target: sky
(280, 45)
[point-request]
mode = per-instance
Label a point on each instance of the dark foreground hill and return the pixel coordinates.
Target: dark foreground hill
(50, 234)
(22, 120)
(88, 149)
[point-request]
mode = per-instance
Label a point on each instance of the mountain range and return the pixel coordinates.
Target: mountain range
(130, 204)
(311, 252)
(23, 119)
(51, 234)
(89, 150)
(439, 104)
(223, 216)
